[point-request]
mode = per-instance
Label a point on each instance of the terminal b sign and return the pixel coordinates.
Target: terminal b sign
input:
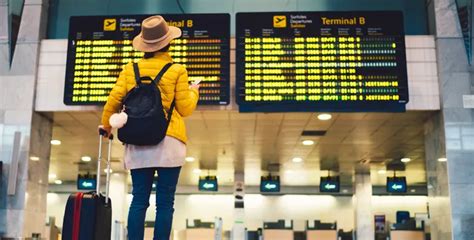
(321, 61)
(99, 47)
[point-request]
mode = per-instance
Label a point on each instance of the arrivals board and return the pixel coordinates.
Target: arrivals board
(99, 47)
(321, 61)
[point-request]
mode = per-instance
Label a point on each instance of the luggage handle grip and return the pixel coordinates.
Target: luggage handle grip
(102, 134)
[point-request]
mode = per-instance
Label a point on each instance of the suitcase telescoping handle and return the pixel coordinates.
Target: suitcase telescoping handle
(103, 133)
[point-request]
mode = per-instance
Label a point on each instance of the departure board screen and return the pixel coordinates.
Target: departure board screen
(321, 61)
(99, 47)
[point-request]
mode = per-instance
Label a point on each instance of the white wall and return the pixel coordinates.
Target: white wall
(268, 208)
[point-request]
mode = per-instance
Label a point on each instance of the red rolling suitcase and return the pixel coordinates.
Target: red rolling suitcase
(88, 216)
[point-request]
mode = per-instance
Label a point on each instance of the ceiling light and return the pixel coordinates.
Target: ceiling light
(58, 182)
(110, 171)
(190, 159)
(86, 158)
(413, 190)
(308, 142)
(345, 191)
(405, 160)
(324, 116)
(197, 171)
(52, 176)
(442, 159)
(297, 160)
(382, 171)
(33, 158)
(55, 142)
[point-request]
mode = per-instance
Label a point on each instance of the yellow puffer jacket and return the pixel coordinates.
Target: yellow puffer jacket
(173, 85)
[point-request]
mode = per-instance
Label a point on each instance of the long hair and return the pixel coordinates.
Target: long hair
(152, 54)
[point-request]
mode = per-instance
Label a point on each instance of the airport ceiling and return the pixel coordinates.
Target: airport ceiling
(225, 141)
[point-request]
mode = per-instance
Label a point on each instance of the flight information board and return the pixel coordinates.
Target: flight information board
(321, 61)
(99, 47)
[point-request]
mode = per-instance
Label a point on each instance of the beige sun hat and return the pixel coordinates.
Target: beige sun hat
(155, 34)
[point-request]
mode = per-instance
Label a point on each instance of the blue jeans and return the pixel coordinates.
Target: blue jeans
(142, 181)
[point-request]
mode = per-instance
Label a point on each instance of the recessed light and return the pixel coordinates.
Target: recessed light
(197, 171)
(34, 158)
(382, 171)
(154, 185)
(190, 159)
(55, 142)
(413, 190)
(86, 158)
(405, 160)
(111, 171)
(324, 116)
(58, 182)
(442, 159)
(297, 160)
(308, 142)
(345, 191)
(52, 176)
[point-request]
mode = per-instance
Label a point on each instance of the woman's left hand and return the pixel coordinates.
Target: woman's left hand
(107, 131)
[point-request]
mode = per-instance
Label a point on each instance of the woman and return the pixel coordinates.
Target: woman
(167, 157)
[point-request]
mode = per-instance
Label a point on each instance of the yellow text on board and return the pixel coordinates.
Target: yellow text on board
(279, 21)
(343, 21)
(110, 24)
(181, 24)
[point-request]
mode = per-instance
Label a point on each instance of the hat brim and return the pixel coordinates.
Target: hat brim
(142, 46)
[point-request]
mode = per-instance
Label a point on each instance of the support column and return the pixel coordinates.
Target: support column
(24, 135)
(118, 195)
(437, 179)
(238, 229)
(456, 80)
(364, 221)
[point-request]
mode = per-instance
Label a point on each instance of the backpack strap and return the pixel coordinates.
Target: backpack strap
(137, 73)
(157, 80)
(171, 111)
(162, 72)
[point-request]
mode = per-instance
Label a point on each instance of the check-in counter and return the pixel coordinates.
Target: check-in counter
(321, 231)
(197, 230)
(407, 235)
(277, 234)
(197, 234)
(149, 230)
(407, 231)
(278, 230)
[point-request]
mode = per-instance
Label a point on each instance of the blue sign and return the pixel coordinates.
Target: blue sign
(270, 184)
(396, 185)
(208, 184)
(86, 184)
(329, 184)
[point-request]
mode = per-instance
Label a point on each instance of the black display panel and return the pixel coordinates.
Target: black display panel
(99, 46)
(396, 184)
(321, 61)
(208, 184)
(86, 182)
(270, 184)
(329, 185)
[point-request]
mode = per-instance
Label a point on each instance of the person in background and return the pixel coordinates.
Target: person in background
(168, 156)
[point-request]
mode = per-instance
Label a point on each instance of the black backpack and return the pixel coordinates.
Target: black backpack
(147, 123)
